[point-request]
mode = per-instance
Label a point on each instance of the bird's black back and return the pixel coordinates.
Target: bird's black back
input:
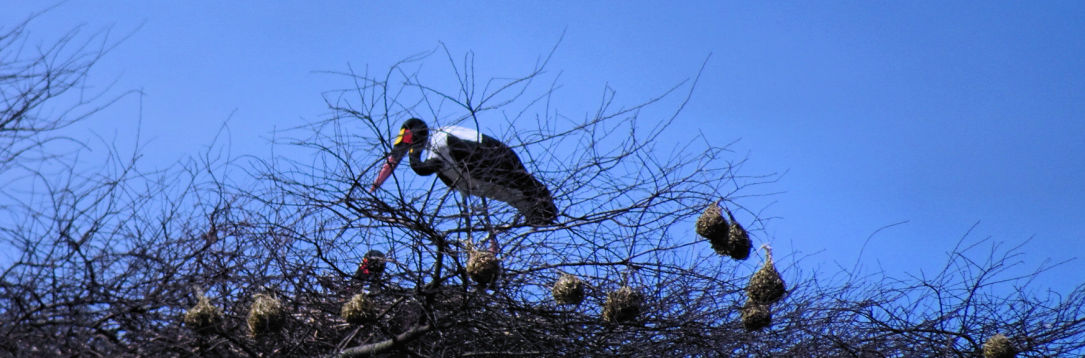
(494, 162)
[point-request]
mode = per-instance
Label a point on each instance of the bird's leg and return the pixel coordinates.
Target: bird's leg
(465, 210)
(490, 227)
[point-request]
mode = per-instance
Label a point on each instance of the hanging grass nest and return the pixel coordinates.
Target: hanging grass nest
(358, 310)
(622, 305)
(568, 290)
(712, 226)
(727, 238)
(738, 240)
(998, 346)
(766, 286)
(265, 315)
(483, 266)
(203, 317)
(755, 316)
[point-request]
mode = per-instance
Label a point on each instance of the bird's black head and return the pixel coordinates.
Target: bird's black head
(413, 133)
(412, 137)
(372, 265)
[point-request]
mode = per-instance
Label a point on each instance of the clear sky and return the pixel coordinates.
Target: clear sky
(939, 114)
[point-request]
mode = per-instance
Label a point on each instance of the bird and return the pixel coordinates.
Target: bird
(472, 163)
(371, 268)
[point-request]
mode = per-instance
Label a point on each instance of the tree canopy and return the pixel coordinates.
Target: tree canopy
(257, 256)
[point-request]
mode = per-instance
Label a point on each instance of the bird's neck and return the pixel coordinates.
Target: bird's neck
(419, 166)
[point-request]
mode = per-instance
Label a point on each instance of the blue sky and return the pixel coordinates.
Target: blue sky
(939, 114)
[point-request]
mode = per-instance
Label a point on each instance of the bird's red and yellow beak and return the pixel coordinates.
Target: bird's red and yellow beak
(399, 149)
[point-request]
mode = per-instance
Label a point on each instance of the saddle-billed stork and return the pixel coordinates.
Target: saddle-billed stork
(371, 268)
(473, 163)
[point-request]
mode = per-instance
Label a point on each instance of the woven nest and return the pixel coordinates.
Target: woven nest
(358, 310)
(622, 305)
(755, 316)
(203, 316)
(766, 286)
(265, 315)
(728, 238)
(712, 226)
(738, 241)
(998, 346)
(483, 266)
(568, 290)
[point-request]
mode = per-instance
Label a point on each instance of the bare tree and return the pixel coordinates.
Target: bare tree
(34, 75)
(135, 263)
